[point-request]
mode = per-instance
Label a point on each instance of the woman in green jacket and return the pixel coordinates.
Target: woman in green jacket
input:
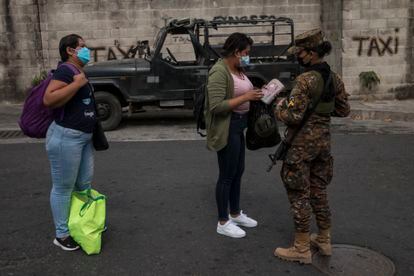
(226, 108)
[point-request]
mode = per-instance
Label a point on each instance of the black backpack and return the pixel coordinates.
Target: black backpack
(262, 129)
(198, 109)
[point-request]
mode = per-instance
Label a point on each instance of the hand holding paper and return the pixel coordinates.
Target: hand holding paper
(271, 90)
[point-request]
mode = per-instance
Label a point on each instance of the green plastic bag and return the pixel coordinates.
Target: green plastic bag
(87, 219)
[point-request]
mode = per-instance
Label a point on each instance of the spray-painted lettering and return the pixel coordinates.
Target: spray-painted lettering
(113, 52)
(378, 44)
(241, 18)
(181, 39)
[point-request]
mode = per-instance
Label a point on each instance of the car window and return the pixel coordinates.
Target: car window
(180, 47)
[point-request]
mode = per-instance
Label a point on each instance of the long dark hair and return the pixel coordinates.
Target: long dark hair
(71, 41)
(236, 42)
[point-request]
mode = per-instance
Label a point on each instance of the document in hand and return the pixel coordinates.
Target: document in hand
(271, 90)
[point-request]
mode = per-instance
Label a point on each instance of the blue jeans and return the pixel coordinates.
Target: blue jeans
(231, 168)
(71, 161)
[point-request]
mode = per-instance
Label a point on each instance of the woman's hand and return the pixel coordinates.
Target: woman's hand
(80, 80)
(58, 92)
(253, 95)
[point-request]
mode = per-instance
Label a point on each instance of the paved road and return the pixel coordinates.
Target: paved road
(162, 214)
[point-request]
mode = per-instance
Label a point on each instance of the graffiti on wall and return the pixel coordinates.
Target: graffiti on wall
(181, 39)
(113, 52)
(241, 18)
(378, 44)
(122, 52)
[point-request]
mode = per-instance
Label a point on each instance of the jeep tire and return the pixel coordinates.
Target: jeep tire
(109, 110)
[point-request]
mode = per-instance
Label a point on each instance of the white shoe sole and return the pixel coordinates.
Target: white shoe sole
(231, 235)
(244, 225)
(55, 242)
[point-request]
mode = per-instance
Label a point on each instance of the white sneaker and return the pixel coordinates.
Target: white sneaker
(243, 220)
(231, 230)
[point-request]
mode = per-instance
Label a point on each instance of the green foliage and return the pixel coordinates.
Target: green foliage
(39, 77)
(369, 80)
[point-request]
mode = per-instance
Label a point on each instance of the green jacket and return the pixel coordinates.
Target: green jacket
(217, 111)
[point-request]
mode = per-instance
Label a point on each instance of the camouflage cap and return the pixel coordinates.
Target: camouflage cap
(308, 39)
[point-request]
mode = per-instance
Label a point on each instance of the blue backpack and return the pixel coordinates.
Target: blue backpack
(36, 117)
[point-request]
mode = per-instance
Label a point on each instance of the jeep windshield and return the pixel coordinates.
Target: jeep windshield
(158, 39)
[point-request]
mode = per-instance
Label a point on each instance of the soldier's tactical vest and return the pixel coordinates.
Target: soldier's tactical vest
(323, 108)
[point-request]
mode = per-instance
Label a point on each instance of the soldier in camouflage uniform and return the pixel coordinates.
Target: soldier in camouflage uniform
(308, 166)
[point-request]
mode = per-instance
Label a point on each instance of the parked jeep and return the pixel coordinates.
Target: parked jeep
(177, 65)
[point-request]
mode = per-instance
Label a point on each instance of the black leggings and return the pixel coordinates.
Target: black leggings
(231, 168)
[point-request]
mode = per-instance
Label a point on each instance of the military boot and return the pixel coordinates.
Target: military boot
(299, 252)
(322, 241)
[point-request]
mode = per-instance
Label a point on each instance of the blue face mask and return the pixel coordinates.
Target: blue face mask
(84, 55)
(244, 61)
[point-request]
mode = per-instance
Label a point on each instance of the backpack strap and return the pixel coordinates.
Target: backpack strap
(74, 71)
(72, 67)
(199, 109)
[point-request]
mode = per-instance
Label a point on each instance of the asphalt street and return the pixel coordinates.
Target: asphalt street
(162, 214)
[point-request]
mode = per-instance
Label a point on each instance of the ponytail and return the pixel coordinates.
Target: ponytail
(322, 49)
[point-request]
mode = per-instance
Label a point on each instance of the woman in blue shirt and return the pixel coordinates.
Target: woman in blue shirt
(69, 137)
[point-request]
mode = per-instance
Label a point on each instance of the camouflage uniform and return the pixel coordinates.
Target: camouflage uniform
(308, 167)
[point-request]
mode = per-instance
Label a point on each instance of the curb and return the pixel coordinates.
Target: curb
(361, 114)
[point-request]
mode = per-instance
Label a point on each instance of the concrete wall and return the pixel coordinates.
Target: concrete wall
(25, 50)
(406, 90)
(331, 24)
(410, 43)
(20, 47)
(31, 30)
(377, 38)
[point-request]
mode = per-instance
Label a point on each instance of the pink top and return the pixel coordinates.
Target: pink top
(242, 84)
